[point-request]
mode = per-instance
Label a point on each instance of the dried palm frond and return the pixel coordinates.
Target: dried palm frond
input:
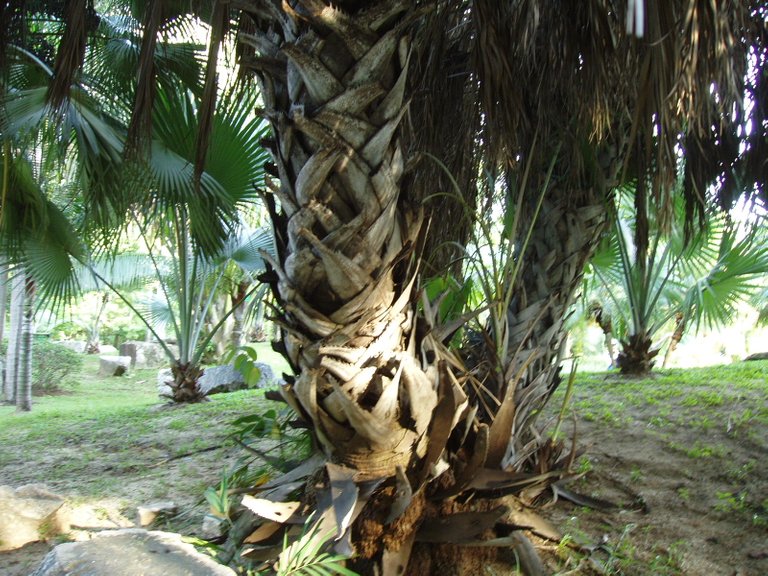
(140, 127)
(219, 22)
(69, 58)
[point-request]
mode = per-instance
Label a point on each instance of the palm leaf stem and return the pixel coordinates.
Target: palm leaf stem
(610, 292)
(184, 287)
(219, 324)
(627, 276)
(648, 313)
(519, 260)
(523, 186)
(139, 315)
(31, 56)
(202, 312)
(145, 236)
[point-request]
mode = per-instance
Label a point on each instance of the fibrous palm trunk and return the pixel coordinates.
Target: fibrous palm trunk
(563, 237)
(377, 387)
(334, 88)
(637, 355)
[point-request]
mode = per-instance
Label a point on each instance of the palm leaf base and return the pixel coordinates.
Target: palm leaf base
(636, 357)
(184, 386)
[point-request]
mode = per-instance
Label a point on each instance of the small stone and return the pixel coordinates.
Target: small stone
(213, 527)
(147, 354)
(27, 514)
(74, 345)
(219, 379)
(150, 512)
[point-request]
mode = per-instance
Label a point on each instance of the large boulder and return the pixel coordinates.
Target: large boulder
(108, 350)
(74, 345)
(27, 514)
(127, 553)
(219, 379)
(145, 354)
(114, 365)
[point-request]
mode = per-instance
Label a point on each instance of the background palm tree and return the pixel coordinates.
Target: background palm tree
(671, 281)
(190, 212)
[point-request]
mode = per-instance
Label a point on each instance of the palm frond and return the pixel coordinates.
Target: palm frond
(306, 555)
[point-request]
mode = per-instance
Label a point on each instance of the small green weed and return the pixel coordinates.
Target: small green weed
(699, 450)
(730, 502)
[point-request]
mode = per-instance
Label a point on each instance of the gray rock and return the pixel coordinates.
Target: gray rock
(127, 553)
(756, 356)
(75, 345)
(219, 379)
(213, 527)
(150, 512)
(146, 354)
(25, 512)
(114, 365)
(108, 349)
(267, 378)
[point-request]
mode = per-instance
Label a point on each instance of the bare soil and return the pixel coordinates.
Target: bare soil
(686, 463)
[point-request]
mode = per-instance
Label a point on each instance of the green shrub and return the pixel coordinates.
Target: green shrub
(52, 366)
(69, 331)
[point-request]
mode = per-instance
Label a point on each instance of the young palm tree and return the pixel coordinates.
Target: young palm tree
(191, 212)
(672, 281)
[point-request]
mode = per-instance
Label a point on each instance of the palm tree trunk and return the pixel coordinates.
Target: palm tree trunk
(637, 355)
(238, 316)
(563, 237)
(3, 298)
(335, 95)
(24, 380)
(674, 340)
(603, 320)
(94, 334)
(14, 335)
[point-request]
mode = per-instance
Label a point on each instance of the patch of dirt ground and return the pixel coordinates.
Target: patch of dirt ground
(686, 463)
(689, 473)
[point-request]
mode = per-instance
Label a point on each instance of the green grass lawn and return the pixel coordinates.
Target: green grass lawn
(104, 437)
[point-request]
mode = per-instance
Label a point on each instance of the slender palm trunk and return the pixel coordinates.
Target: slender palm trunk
(3, 298)
(599, 315)
(674, 340)
(14, 335)
(94, 335)
(24, 380)
(238, 303)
